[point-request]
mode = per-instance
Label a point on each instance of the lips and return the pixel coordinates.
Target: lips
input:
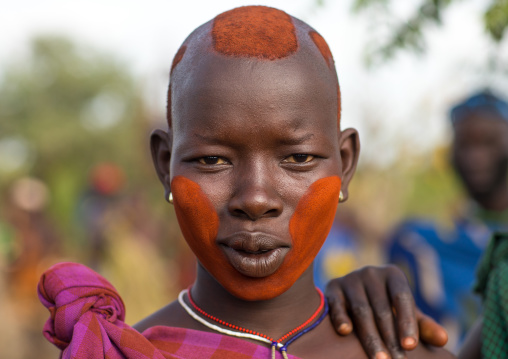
(254, 255)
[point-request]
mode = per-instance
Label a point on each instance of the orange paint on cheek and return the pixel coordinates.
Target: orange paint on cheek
(308, 228)
(197, 217)
(312, 221)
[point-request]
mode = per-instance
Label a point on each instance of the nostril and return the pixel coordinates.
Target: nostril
(255, 212)
(255, 200)
(239, 213)
(271, 213)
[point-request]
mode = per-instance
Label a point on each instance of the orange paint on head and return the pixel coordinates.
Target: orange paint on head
(176, 60)
(308, 227)
(254, 31)
(322, 47)
(178, 57)
(260, 32)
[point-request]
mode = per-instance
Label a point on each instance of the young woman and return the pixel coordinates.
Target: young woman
(255, 163)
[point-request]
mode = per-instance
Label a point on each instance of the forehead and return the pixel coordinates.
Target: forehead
(479, 122)
(215, 85)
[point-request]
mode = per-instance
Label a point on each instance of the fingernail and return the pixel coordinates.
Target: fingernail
(382, 355)
(409, 342)
(344, 328)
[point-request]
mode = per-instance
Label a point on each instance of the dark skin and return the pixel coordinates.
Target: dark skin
(480, 157)
(271, 132)
(380, 301)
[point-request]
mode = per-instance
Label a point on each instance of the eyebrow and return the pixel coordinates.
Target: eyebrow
(296, 140)
(287, 141)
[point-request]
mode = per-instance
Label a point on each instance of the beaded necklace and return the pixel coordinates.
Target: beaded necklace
(247, 333)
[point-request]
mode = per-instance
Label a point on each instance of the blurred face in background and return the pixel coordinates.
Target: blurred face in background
(480, 152)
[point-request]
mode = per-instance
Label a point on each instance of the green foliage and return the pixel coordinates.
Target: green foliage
(409, 34)
(359, 5)
(496, 19)
(69, 107)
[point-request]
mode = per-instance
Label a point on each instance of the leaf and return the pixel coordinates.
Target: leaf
(496, 19)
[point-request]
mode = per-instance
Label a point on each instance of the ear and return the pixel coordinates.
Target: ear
(160, 145)
(349, 143)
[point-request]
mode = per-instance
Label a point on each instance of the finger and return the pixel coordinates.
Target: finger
(405, 308)
(337, 304)
(363, 320)
(430, 331)
(379, 299)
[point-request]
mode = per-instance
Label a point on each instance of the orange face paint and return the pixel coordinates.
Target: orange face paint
(197, 218)
(308, 228)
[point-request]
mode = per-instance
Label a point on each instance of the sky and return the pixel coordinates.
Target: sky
(403, 101)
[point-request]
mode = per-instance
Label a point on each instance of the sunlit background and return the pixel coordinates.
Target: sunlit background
(83, 83)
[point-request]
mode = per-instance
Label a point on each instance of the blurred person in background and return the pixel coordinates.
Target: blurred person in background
(28, 242)
(100, 197)
(441, 263)
(120, 231)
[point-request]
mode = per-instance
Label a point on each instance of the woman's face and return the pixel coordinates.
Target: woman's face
(255, 169)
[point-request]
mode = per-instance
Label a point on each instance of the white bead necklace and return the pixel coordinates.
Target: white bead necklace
(233, 333)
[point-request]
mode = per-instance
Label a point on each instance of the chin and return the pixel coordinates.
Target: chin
(257, 289)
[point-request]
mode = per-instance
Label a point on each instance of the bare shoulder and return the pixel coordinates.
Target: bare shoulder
(423, 351)
(172, 315)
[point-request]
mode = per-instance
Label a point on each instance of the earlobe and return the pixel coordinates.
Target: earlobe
(160, 146)
(349, 151)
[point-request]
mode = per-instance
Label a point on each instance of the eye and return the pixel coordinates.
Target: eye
(299, 158)
(212, 160)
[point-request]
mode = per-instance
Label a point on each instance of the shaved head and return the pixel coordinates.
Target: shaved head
(252, 33)
(254, 153)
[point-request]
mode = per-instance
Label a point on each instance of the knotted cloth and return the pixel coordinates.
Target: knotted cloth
(87, 321)
(87, 316)
(492, 285)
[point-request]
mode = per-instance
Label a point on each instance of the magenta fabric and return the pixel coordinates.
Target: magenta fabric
(87, 321)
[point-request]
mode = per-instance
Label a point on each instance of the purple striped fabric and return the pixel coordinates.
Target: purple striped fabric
(87, 321)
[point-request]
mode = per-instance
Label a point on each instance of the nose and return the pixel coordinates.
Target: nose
(255, 195)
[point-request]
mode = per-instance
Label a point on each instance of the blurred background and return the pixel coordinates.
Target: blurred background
(82, 85)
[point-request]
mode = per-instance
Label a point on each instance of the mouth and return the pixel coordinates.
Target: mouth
(254, 255)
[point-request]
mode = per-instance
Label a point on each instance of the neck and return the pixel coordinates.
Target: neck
(274, 317)
(496, 201)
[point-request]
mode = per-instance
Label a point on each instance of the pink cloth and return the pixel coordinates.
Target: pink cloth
(87, 321)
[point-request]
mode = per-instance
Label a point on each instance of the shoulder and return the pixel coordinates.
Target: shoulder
(172, 315)
(324, 342)
(423, 351)
(166, 316)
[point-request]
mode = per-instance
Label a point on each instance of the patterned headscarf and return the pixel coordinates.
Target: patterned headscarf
(484, 101)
